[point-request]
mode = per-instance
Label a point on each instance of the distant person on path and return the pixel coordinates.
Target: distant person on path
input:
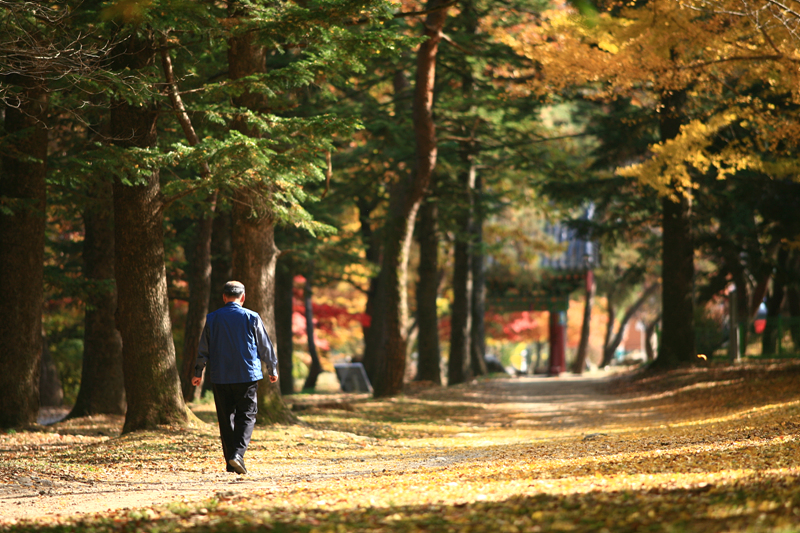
(233, 344)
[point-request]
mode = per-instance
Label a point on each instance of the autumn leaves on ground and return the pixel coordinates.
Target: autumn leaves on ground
(707, 449)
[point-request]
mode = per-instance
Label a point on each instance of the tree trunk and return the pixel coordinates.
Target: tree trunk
(459, 369)
(678, 339)
(611, 347)
(742, 295)
(199, 259)
(375, 332)
(476, 364)
(648, 339)
(478, 340)
(102, 388)
(23, 193)
(315, 369)
(284, 309)
(200, 254)
(254, 258)
(220, 258)
(429, 360)
(152, 382)
(611, 312)
(254, 253)
(404, 202)
(580, 358)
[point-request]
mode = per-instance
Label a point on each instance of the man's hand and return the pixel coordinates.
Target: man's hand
(196, 381)
(273, 379)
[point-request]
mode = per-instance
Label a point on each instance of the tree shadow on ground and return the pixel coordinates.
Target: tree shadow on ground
(763, 504)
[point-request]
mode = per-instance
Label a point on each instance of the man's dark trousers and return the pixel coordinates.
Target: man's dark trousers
(237, 405)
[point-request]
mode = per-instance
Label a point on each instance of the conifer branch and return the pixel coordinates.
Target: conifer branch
(184, 119)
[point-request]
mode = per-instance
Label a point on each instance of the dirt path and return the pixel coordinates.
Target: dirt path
(497, 411)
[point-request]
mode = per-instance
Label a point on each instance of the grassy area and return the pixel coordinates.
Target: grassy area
(706, 449)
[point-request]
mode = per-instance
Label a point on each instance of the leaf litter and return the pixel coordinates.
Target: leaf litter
(711, 448)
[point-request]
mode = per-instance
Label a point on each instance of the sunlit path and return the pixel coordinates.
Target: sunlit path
(690, 439)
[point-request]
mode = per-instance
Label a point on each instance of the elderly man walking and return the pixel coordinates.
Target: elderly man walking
(233, 344)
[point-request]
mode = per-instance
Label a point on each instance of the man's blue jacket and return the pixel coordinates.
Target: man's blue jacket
(233, 344)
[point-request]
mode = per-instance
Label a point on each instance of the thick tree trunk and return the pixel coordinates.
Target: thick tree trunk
(375, 334)
(22, 192)
(405, 200)
(429, 360)
(583, 346)
(254, 253)
(284, 308)
(315, 369)
(152, 382)
(254, 258)
(678, 339)
(102, 388)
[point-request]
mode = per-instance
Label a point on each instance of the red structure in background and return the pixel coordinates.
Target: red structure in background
(548, 286)
(558, 342)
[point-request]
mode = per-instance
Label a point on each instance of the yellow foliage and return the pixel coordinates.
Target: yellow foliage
(703, 47)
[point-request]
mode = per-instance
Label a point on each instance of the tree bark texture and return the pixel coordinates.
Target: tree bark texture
(678, 339)
(405, 199)
(429, 354)
(284, 308)
(22, 190)
(152, 382)
(102, 389)
(254, 253)
(375, 333)
(254, 258)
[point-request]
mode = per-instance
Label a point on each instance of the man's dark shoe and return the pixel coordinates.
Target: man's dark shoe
(237, 463)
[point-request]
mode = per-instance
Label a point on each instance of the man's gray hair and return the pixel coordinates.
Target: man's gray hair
(233, 288)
